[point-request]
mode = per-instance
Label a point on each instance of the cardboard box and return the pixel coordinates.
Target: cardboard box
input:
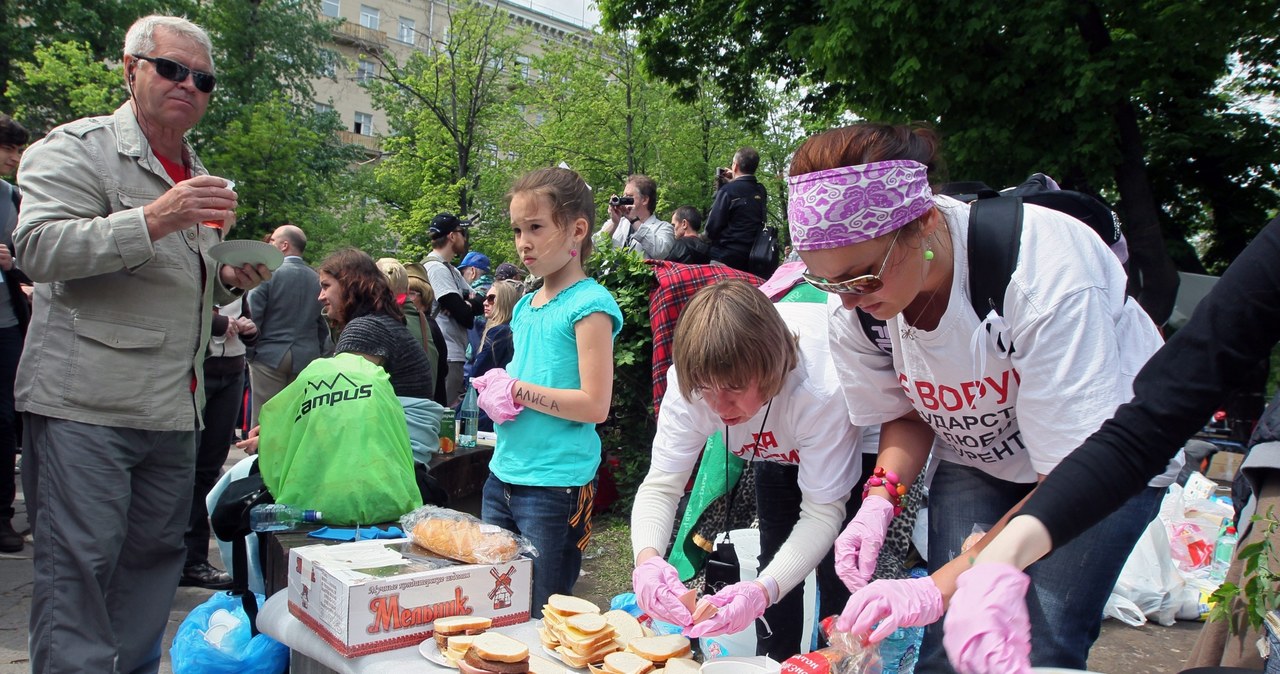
(1224, 465)
(360, 599)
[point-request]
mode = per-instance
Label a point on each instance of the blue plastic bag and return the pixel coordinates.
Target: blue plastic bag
(215, 639)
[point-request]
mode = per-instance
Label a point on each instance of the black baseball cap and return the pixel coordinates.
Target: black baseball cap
(445, 224)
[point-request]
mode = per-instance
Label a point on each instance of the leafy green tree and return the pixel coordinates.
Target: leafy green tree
(287, 164)
(1069, 88)
(262, 130)
(443, 103)
(26, 25)
(64, 81)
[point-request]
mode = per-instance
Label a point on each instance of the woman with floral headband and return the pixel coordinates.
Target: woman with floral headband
(996, 417)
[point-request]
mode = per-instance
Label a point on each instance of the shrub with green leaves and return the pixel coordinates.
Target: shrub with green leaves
(628, 433)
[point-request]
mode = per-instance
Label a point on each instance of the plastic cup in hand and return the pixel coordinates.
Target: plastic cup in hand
(217, 224)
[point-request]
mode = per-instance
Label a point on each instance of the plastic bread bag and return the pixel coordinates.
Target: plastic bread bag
(463, 537)
(844, 654)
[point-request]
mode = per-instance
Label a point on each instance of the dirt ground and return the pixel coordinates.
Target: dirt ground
(1150, 649)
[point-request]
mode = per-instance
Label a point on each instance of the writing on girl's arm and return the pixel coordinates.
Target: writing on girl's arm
(530, 398)
(590, 403)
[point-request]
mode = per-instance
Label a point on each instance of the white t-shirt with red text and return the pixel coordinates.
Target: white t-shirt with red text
(1078, 342)
(807, 425)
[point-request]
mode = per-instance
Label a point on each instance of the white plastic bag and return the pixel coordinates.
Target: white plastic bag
(1124, 610)
(1150, 580)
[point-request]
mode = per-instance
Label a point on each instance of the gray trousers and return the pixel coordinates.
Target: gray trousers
(108, 508)
(266, 381)
(454, 383)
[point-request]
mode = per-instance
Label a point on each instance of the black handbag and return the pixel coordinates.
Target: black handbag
(723, 568)
(762, 260)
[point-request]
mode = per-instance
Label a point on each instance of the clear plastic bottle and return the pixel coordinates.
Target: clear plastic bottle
(280, 517)
(1223, 552)
(468, 419)
(900, 650)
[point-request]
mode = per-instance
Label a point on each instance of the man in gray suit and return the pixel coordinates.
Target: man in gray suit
(292, 331)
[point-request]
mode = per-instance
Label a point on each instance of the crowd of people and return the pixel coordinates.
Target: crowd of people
(1051, 425)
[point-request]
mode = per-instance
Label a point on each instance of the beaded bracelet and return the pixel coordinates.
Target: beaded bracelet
(882, 477)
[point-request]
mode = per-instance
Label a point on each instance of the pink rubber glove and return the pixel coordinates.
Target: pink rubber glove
(739, 605)
(987, 630)
(858, 547)
(496, 389)
(658, 591)
(912, 602)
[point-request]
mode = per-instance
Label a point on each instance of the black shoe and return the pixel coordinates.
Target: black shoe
(10, 540)
(205, 575)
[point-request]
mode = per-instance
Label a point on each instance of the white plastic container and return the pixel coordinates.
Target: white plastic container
(733, 665)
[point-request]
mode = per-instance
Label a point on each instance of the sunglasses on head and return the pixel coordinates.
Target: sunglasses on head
(861, 285)
(176, 72)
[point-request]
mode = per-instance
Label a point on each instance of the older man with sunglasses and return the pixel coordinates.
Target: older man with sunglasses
(111, 380)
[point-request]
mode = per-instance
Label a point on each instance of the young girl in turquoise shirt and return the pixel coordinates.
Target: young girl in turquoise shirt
(558, 386)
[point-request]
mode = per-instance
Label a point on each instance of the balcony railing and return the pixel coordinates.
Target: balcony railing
(360, 37)
(371, 144)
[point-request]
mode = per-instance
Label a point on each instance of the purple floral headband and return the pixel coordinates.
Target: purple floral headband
(851, 204)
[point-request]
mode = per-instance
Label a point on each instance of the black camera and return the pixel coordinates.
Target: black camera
(621, 201)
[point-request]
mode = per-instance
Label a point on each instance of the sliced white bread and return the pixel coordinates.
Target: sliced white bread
(574, 659)
(499, 648)
(455, 625)
(457, 646)
(586, 623)
(626, 663)
(540, 665)
(681, 666)
(566, 605)
(624, 624)
(660, 649)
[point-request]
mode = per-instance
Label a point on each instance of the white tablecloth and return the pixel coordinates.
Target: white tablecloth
(275, 621)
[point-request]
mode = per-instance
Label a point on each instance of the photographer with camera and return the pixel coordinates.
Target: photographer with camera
(632, 223)
(738, 212)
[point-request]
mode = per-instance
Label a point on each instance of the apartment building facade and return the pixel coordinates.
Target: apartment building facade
(400, 27)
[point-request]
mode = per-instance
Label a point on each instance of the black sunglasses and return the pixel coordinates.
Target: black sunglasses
(176, 72)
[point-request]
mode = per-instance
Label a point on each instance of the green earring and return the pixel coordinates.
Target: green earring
(928, 254)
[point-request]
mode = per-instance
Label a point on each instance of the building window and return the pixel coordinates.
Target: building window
(323, 108)
(330, 8)
(522, 67)
(366, 70)
(369, 17)
(364, 124)
(408, 34)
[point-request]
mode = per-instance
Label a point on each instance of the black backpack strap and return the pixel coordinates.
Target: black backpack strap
(876, 330)
(995, 235)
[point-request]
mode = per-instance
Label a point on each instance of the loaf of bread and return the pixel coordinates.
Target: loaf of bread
(466, 539)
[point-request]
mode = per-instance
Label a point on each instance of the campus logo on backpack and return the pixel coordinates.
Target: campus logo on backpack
(332, 392)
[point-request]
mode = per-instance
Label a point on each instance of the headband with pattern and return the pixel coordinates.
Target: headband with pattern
(851, 204)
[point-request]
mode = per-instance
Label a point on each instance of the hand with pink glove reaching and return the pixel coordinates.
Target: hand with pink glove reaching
(737, 605)
(911, 602)
(987, 630)
(496, 389)
(859, 545)
(659, 592)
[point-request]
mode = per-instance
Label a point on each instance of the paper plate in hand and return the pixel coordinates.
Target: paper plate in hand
(243, 251)
(431, 651)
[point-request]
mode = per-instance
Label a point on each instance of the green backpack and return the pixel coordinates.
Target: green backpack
(335, 440)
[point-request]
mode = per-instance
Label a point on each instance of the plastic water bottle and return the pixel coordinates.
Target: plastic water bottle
(468, 419)
(900, 650)
(280, 517)
(1223, 553)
